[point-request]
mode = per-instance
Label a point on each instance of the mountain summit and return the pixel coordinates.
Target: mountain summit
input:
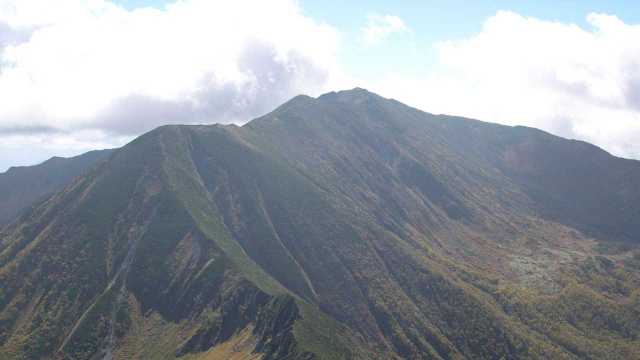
(347, 226)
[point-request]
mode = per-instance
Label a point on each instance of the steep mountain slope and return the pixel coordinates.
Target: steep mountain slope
(347, 226)
(22, 186)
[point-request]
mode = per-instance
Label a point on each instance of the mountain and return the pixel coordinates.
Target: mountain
(347, 226)
(22, 186)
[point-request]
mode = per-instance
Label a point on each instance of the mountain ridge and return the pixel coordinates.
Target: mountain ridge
(21, 186)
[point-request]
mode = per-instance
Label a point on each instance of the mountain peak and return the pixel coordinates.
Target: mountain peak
(307, 108)
(295, 102)
(355, 95)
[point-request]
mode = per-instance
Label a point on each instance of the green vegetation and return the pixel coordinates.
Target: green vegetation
(344, 227)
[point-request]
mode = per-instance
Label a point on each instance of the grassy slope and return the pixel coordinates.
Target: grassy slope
(336, 227)
(129, 261)
(447, 185)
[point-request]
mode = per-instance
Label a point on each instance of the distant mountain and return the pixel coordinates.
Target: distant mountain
(347, 226)
(24, 185)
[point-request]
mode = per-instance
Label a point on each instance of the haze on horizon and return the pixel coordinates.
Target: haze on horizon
(79, 75)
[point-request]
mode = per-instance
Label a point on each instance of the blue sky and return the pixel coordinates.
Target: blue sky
(433, 21)
(77, 75)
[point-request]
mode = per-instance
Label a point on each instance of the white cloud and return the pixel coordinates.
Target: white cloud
(574, 82)
(381, 27)
(83, 74)
(73, 65)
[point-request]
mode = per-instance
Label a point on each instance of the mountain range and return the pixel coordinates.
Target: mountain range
(23, 186)
(347, 226)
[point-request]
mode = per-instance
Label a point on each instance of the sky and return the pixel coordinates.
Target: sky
(78, 75)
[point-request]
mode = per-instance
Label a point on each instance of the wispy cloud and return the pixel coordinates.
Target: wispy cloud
(380, 27)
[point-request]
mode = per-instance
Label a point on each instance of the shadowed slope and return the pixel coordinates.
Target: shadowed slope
(22, 186)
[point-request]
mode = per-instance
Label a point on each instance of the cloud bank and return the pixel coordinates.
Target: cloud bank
(575, 82)
(77, 75)
(92, 68)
